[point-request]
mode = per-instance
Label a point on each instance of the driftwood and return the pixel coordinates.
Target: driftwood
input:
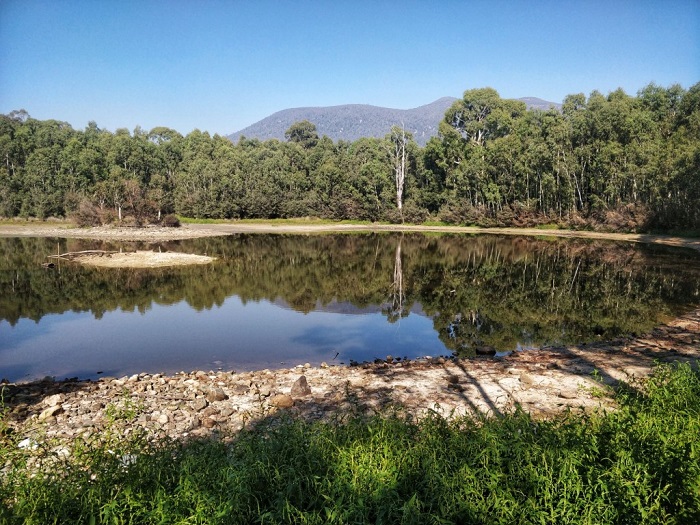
(72, 255)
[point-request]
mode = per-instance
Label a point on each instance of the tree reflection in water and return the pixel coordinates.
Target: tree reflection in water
(479, 291)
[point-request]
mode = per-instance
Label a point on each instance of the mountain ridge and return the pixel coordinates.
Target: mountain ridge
(351, 122)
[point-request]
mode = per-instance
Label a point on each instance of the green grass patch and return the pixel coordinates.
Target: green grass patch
(437, 224)
(193, 220)
(298, 221)
(639, 464)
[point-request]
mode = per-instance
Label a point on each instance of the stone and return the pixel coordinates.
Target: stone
(485, 350)
(163, 419)
(208, 422)
(527, 380)
(226, 412)
(568, 394)
(50, 412)
(216, 394)
(453, 379)
(301, 387)
(282, 401)
(199, 404)
(265, 391)
(28, 443)
(210, 411)
(240, 388)
(53, 400)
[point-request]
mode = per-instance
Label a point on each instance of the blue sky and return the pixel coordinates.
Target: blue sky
(220, 66)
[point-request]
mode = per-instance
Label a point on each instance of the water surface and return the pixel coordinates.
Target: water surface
(271, 301)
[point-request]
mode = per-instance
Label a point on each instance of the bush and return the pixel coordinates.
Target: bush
(88, 214)
(414, 214)
(171, 221)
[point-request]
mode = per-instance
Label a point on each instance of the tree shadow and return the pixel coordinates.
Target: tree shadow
(24, 401)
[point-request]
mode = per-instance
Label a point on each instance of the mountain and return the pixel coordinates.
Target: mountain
(353, 121)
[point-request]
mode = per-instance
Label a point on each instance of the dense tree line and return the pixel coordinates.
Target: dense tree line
(615, 161)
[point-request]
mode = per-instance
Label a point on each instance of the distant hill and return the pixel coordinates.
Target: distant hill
(353, 121)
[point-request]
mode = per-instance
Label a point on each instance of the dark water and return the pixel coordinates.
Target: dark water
(272, 301)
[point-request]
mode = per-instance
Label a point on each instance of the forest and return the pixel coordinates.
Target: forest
(615, 162)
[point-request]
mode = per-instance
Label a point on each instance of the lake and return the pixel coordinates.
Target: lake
(272, 301)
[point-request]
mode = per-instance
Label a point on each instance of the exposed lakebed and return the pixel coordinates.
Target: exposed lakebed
(274, 301)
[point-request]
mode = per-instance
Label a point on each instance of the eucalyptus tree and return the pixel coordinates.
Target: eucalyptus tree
(303, 133)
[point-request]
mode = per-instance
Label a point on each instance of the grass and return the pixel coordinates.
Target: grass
(637, 465)
(272, 222)
(548, 226)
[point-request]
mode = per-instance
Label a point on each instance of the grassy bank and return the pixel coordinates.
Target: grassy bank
(640, 464)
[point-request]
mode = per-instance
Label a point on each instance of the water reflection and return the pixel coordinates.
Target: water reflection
(272, 301)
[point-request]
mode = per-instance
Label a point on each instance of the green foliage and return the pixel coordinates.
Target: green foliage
(171, 221)
(614, 162)
(638, 464)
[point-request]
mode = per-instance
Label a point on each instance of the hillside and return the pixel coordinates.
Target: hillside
(353, 121)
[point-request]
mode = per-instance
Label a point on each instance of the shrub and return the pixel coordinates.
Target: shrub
(88, 214)
(171, 221)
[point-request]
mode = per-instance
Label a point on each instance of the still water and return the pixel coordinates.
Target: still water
(280, 300)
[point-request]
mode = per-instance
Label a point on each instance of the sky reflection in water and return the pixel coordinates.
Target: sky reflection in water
(233, 336)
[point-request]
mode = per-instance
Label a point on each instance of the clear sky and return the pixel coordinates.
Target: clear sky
(220, 66)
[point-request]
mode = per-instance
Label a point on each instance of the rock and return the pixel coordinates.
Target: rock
(568, 394)
(301, 388)
(53, 400)
(28, 443)
(208, 422)
(282, 401)
(240, 388)
(216, 394)
(50, 412)
(163, 419)
(453, 379)
(226, 412)
(210, 411)
(527, 380)
(199, 404)
(265, 391)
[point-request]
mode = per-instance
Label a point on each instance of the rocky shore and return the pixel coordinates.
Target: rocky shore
(198, 404)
